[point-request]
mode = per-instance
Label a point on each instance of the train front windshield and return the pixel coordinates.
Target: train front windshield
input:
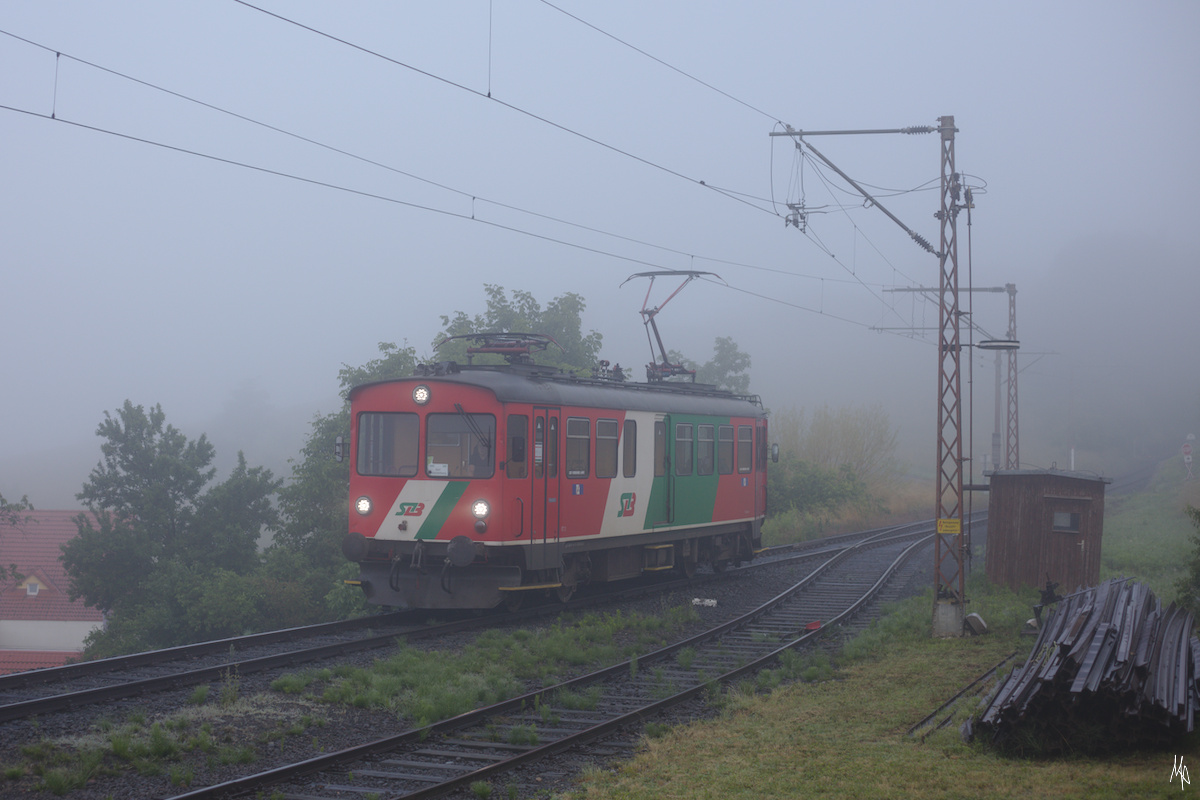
(387, 444)
(460, 445)
(456, 445)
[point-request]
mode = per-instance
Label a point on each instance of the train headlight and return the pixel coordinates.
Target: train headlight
(421, 395)
(481, 508)
(363, 505)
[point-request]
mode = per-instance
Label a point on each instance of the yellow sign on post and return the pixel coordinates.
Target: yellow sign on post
(949, 527)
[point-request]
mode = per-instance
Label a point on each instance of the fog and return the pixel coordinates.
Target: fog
(206, 206)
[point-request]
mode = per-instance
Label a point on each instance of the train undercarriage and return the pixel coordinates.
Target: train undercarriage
(463, 574)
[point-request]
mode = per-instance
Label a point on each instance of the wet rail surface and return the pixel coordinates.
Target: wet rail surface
(484, 745)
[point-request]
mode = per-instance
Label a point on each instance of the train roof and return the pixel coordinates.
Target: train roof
(552, 387)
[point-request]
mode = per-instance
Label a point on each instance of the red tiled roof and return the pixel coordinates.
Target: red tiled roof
(34, 547)
(21, 660)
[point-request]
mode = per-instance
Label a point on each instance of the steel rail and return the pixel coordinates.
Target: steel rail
(66, 701)
(17, 680)
(278, 775)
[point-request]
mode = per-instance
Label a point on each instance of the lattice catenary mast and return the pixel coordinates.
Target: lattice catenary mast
(949, 547)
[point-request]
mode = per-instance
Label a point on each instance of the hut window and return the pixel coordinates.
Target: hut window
(1066, 522)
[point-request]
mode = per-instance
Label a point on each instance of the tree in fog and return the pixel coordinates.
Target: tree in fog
(12, 518)
(729, 367)
(161, 530)
(1187, 589)
(561, 320)
(861, 438)
(835, 460)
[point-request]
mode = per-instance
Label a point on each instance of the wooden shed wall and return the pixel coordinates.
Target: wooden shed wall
(1024, 546)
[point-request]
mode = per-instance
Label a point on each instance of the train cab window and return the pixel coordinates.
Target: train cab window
(387, 444)
(725, 449)
(683, 449)
(606, 448)
(761, 446)
(629, 449)
(745, 449)
(660, 449)
(460, 445)
(579, 442)
(516, 464)
(704, 450)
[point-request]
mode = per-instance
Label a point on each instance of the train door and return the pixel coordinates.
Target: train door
(661, 509)
(544, 505)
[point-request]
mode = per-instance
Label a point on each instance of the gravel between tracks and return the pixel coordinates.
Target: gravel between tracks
(268, 728)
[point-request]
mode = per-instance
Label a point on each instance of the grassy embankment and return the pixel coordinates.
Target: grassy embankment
(847, 736)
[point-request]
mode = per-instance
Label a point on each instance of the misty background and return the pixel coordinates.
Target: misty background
(216, 205)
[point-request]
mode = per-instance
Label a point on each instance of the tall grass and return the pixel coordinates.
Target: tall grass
(1148, 535)
(427, 686)
(892, 504)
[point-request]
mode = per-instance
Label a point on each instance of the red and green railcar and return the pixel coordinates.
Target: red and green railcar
(471, 486)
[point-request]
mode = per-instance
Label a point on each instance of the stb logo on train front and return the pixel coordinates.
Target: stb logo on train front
(627, 502)
(411, 510)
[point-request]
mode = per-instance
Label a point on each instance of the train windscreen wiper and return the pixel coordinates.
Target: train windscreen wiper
(475, 429)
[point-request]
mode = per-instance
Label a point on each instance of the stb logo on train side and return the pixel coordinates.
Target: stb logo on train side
(628, 499)
(411, 510)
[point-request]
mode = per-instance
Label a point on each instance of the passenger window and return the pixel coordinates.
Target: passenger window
(761, 430)
(579, 433)
(725, 450)
(539, 442)
(552, 449)
(704, 450)
(660, 449)
(745, 450)
(683, 449)
(629, 449)
(606, 448)
(516, 465)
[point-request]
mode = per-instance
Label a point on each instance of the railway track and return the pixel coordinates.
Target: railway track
(487, 744)
(69, 687)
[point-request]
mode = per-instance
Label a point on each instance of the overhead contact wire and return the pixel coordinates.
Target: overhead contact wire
(510, 106)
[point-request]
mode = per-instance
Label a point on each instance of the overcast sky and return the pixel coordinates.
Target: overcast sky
(213, 206)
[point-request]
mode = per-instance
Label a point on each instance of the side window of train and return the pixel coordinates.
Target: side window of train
(552, 449)
(745, 450)
(539, 442)
(660, 449)
(683, 449)
(725, 449)
(606, 448)
(579, 440)
(516, 463)
(704, 449)
(629, 446)
(761, 446)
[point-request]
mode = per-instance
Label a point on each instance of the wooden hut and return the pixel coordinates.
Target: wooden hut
(1045, 525)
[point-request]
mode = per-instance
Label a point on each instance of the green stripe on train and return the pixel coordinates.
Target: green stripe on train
(694, 496)
(442, 508)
